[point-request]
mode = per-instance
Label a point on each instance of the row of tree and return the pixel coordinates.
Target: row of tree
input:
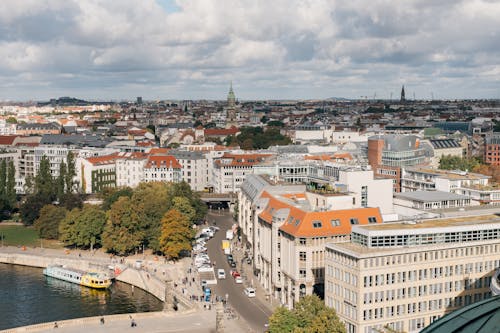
(157, 216)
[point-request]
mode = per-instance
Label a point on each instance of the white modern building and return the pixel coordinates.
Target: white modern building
(406, 275)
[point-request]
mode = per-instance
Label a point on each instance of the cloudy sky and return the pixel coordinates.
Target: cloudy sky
(192, 49)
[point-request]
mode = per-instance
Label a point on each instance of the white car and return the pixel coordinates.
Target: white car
(221, 274)
(238, 279)
(250, 292)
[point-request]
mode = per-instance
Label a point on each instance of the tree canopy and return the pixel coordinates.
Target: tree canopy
(258, 138)
(449, 162)
(310, 315)
(176, 234)
(47, 223)
(83, 227)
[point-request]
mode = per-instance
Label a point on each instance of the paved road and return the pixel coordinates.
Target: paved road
(252, 310)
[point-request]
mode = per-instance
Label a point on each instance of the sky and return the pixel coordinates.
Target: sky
(268, 49)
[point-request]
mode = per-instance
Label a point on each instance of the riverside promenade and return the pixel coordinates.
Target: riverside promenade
(147, 272)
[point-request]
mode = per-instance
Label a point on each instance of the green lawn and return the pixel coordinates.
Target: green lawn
(15, 235)
(18, 235)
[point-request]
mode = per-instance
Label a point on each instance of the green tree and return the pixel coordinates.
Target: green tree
(183, 205)
(44, 183)
(310, 315)
(282, 320)
(47, 223)
(83, 227)
(70, 172)
(183, 189)
(30, 208)
(176, 234)
(10, 190)
(61, 181)
(11, 120)
(449, 162)
(3, 178)
(123, 232)
(151, 201)
(111, 195)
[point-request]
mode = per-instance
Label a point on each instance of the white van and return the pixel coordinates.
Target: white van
(221, 274)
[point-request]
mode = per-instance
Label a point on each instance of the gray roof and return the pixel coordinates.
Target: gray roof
(253, 186)
(430, 196)
(31, 126)
(295, 149)
(74, 140)
(187, 155)
(479, 317)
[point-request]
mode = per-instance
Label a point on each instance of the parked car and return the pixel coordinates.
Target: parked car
(235, 273)
(250, 292)
(221, 274)
(229, 258)
(238, 279)
(232, 264)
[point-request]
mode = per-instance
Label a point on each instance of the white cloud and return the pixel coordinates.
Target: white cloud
(287, 48)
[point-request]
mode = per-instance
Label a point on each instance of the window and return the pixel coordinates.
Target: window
(317, 224)
(302, 273)
(302, 241)
(354, 220)
(335, 223)
(372, 219)
(302, 256)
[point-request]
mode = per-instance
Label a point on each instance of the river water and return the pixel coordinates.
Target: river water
(28, 297)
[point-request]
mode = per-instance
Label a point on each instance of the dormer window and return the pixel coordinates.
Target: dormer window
(372, 219)
(317, 224)
(335, 223)
(354, 220)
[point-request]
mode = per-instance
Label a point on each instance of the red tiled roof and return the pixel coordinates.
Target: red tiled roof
(7, 140)
(162, 161)
(106, 159)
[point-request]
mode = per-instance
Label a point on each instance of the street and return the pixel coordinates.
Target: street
(254, 312)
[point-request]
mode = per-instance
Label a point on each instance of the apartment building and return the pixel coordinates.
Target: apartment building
(407, 275)
(195, 168)
(130, 169)
(162, 168)
(96, 173)
(287, 231)
(230, 170)
(473, 185)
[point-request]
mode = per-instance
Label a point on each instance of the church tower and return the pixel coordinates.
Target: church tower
(231, 108)
(403, 99)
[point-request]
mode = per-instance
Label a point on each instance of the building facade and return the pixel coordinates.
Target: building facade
(406, 275)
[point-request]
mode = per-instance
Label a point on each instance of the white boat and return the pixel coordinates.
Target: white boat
(95, 280)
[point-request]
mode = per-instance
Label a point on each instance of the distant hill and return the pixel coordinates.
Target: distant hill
(68, 101)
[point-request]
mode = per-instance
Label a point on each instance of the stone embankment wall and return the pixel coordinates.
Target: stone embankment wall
(135, 277)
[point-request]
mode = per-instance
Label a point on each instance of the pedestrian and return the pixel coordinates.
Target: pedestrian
(133, 323)
(55, 325)
(102, 320)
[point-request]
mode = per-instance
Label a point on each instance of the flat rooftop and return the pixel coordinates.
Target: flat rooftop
(448, 222)
(430, 196)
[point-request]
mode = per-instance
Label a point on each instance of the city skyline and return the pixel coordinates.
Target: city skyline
(168, 49)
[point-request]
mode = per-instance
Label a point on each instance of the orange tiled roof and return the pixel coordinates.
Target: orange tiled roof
(162, 161)
(300, 223)
(241, 159)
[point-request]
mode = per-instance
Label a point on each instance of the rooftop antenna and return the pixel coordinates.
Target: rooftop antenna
(413, 95)
(391, 96)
